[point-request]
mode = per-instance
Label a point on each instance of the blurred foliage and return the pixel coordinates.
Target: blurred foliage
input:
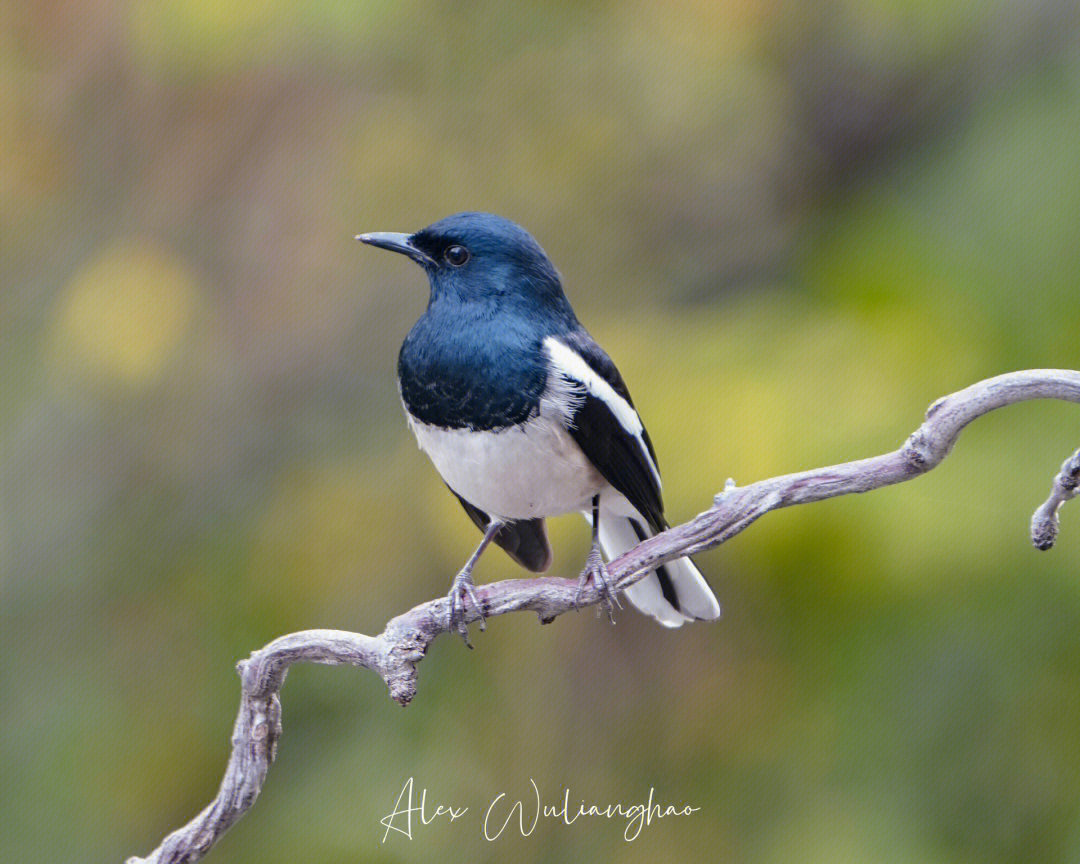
(794, 225)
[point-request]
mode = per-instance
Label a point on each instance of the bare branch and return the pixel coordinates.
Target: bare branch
(395, 652)
(1044, 522)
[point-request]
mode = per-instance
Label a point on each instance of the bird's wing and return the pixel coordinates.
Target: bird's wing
(605, 424)
(525, 541)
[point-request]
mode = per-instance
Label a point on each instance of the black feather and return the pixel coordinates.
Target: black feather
(615, 452)
(598, 360)
(525, 541)
(667, 584)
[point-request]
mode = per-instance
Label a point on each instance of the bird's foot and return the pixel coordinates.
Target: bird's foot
(596, 572)
(461, 589)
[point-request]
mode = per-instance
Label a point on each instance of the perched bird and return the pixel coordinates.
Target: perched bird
(526, 417)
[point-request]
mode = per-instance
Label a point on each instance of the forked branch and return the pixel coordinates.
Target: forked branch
(395, 652)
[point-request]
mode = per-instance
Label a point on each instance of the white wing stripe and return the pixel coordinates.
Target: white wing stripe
(567, 362)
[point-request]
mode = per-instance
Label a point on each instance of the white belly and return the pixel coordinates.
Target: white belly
(523, 472)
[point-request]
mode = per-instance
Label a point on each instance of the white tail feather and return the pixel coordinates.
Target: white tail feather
(695, 598)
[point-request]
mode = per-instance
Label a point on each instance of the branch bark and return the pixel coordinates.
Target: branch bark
(394, 653)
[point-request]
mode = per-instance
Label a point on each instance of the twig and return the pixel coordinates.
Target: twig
(395, 652)
(1044, 522)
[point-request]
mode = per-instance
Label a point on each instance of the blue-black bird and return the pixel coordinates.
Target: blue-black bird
(525, 416)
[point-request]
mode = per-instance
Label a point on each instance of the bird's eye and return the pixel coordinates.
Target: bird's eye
(456, 255)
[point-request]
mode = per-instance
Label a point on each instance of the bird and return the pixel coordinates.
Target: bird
(524, 415)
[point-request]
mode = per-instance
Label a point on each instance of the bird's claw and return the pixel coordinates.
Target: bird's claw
(461, 589)
(596, 572)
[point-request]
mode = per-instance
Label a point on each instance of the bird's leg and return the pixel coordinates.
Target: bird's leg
(596, 570)
(462, 586)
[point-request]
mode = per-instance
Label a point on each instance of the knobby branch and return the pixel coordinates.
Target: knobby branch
(394, 653)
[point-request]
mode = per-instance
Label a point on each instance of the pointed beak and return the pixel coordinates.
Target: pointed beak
(395, 243)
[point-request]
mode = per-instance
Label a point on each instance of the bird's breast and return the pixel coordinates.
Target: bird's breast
(529, 470)
(484, 406)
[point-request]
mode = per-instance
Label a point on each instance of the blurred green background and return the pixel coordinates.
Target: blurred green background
(794, 225)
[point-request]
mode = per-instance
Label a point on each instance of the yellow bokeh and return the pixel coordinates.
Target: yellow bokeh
(125, 313)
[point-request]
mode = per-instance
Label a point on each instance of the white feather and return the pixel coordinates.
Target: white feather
(696, 599)
(532, 470)
(572, 366)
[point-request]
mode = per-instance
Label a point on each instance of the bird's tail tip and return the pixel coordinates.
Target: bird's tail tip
(690, 595)
(674, 593)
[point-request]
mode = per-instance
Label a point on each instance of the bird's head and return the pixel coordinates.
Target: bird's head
(478, 256)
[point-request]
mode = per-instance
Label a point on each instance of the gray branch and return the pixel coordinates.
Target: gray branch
(1044, 522)
(395, 652)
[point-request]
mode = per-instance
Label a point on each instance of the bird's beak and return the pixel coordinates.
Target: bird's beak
(395, 243)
